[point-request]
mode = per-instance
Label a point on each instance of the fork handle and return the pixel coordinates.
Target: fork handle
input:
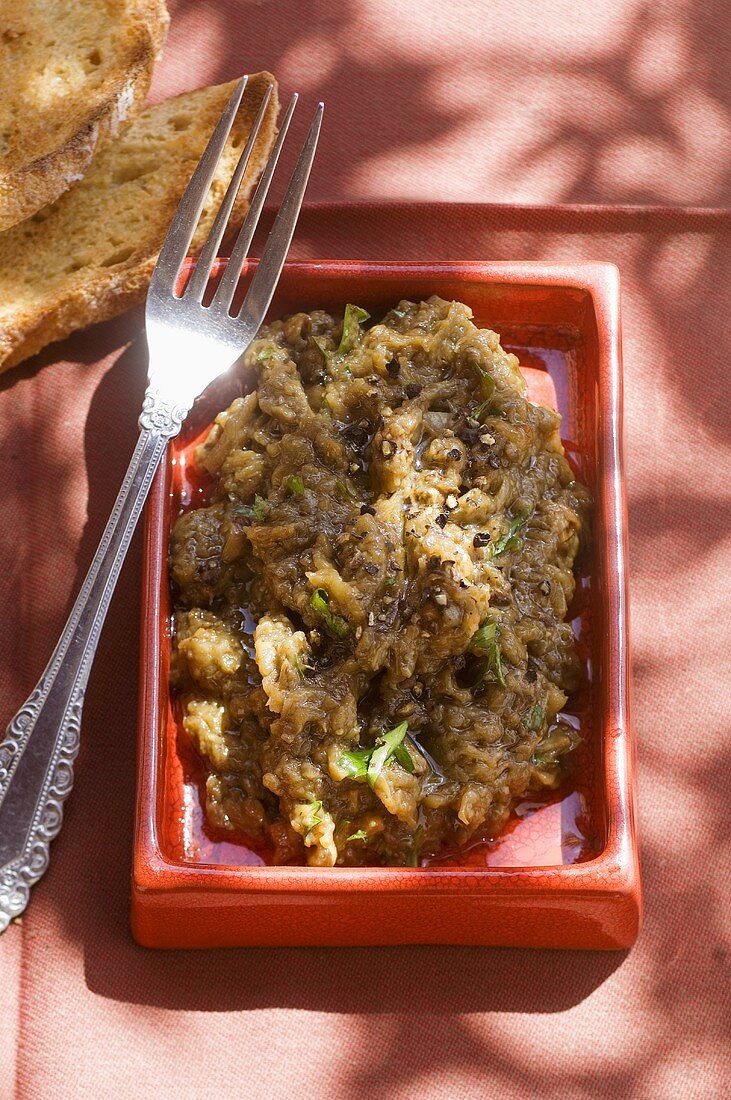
(42, 740)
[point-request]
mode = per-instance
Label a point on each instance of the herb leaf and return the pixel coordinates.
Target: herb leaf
(296, 484)
(257, 510)
(389, 742)
(369, 763)
(483, 410)
(314, 815)
(485, 640)
(402, 754)
(336, 624)
(264, 353)
(509, 539)
(344, 491)
(360, 835)
(487, 383)
(353, 318)
(355, 763)
(321, 348)
(536, 718)
(299, 663)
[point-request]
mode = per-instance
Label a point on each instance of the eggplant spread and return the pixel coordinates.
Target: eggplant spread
(370, 647)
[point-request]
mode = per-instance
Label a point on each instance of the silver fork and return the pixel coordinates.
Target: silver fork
(189, 345)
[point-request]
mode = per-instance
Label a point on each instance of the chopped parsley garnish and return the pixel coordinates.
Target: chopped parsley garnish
(485, 640)
(322, 350)
(369, 763)
(509, 539)
(299, 663)
(257, 510)
(336, 624)
(360, 835)
(264, 353)
(488, 382)
(314, 817)
(355, 763)
(352, 320)
(484, 409)
(402, 754)
(389, 744)
(296, 484)
(536, 718)
(343, 490)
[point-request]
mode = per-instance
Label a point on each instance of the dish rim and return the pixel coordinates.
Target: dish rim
(615, 870)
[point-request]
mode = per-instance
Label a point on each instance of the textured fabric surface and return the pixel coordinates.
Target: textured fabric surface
(523, 102)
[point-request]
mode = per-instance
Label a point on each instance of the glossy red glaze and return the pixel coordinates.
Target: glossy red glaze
(565, 872)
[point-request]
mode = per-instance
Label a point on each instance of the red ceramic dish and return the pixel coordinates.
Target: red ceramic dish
(565, 872)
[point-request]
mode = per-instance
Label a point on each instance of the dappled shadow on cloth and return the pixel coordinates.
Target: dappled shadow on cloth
(628, 104)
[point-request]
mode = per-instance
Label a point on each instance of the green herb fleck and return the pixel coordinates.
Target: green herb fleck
(336, 624)
(299, 663)
(264, 353)
(257, 510)
(536, 718)
(509, 539)
(344, 491)
(353, 318)
(485, 640)
(296, 484)
(403, 756)
(321, 348)
(389, 742)
(355, 763)
(487, 380)
(314, 817)
(369, 763)
(360, 835)
(489, 384)
(484, 410)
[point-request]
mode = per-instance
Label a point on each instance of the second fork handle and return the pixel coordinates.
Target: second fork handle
(42, 740)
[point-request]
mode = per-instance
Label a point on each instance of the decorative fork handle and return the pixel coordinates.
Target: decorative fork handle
(42, 740)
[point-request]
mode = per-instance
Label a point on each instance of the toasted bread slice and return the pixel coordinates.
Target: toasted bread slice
(71, 73)
(90, 255)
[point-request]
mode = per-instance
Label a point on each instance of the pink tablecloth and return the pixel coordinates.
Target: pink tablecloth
(519, 102)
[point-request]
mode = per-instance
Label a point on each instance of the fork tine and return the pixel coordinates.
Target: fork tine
(264, 283)
(227, 287)
(199, 279)
(183, 225)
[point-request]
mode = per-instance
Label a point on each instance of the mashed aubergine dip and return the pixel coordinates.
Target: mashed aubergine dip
(371, 651)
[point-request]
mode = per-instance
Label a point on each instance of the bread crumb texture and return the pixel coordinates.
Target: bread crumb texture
(90, 255)
(72, 73)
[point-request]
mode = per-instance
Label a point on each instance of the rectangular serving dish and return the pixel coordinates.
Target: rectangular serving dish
(566, 872)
